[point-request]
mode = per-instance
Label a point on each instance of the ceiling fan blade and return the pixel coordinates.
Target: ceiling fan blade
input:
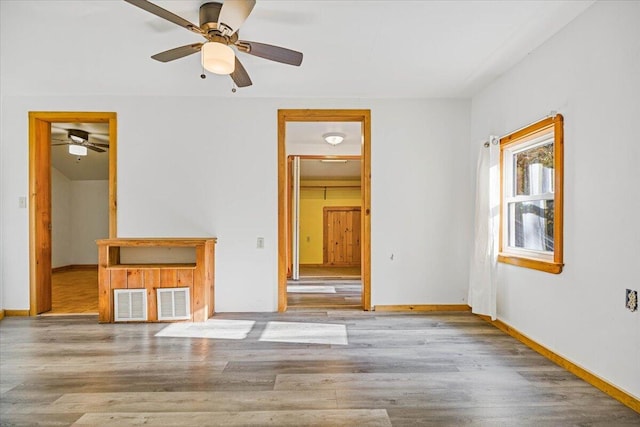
(240, 75)
(91, 147)
(61, 143)
(234, 13)
(165, 14)
(273, 53)
(177, 53)
(99, 144)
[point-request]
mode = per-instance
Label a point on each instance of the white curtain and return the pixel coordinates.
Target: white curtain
(482, 273)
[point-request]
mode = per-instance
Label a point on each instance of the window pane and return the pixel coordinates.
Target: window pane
(531, 225)
(534, 170)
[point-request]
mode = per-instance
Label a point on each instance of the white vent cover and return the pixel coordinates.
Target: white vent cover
(174, 304)
(130, 305)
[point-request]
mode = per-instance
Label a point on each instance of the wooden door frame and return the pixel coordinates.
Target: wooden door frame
(40, 187)
(325, 231)
(362, 116)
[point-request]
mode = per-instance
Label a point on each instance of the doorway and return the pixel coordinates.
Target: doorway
(40, 209)
(362, 117)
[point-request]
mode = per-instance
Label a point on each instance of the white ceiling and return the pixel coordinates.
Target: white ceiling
(319, 170)
(353, 49)
(311, 132)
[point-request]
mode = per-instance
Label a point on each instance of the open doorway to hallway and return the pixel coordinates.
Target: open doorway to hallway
(328, 235)
(324, 257)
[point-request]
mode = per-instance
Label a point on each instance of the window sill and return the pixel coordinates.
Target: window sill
(535, 264)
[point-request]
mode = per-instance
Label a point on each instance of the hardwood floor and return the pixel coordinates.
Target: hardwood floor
(374, 369)
(323, 293)
(307, 271)
(74, 291)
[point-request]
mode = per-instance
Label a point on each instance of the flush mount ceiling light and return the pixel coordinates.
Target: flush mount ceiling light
(77, 150)
(333, 161)
(334, 138)
(218, 58)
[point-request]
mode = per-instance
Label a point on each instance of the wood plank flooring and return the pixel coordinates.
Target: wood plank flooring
(400, 369)
(308, 271)
(348, 294)
(74, 291)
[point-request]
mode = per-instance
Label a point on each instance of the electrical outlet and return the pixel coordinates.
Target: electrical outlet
(631, 300)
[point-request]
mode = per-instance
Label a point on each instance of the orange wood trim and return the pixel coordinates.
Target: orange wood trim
(601, 384)
(16, 313)
(556, 124)
(283, 214)
(535, 264)
(365, 220)
(558, 225)
(156, 242)
(1, 314)
(40, 191)
(113, 176)
(329, 115)
(424, 307)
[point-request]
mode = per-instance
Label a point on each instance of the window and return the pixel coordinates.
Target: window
(531, 167)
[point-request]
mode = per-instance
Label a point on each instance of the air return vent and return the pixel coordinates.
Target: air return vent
(174, 304)
(130, 305)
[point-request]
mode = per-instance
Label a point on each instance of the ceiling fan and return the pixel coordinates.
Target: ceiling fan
(219, 24)
(79, 137)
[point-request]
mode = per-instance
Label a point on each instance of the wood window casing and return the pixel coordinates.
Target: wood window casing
(551, 263)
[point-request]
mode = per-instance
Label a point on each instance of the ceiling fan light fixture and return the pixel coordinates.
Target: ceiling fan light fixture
(77, 150)
(333, 138)
(218, 58)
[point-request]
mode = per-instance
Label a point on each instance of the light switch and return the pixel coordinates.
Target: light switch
(22, 202)
(260, 243)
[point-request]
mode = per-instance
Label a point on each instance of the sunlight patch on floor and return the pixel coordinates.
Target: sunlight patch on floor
(211, 329)
(305, 333)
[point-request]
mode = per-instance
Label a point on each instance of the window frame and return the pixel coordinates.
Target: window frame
(536, 134)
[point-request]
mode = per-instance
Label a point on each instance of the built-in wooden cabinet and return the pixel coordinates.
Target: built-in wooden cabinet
(197, 277)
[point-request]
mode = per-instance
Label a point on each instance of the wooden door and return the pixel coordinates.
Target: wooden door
(342, 236)
(41, 199)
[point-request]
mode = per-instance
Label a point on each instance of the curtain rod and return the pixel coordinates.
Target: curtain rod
(495, 140)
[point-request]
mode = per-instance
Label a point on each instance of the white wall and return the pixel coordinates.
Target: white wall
(61, 211)
(193, 166)
(80, 215)
(89, 219)
(589, 72)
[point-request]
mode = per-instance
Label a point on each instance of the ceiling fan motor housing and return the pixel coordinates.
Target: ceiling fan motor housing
(209, 13)
(77, 135)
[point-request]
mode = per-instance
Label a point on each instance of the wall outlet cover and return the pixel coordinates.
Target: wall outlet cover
(631, 300)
